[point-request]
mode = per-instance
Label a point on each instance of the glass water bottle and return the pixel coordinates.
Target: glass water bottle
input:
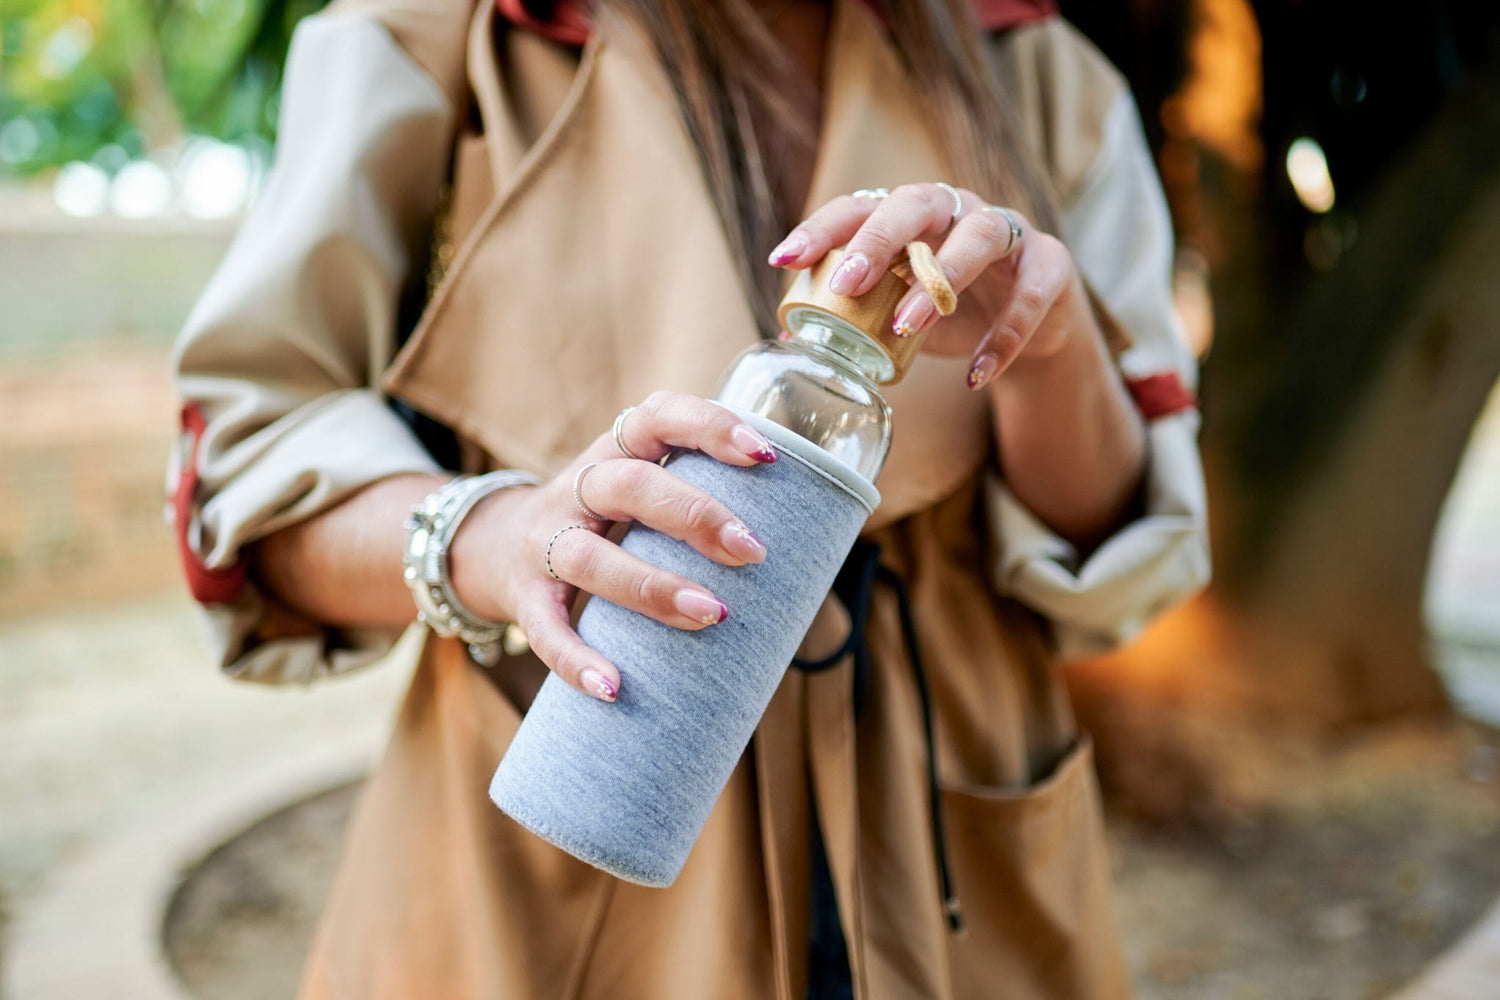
(628, 786)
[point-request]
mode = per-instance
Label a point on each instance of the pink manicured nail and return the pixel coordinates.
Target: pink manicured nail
(788, 250)
(700, 607)
(850, 272)
(752, 444)
(914, 316)
(739, 540)
(598, 685)
(984, 369)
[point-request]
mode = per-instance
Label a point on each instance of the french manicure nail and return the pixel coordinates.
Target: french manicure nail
(788, 250)
(598, 685)
(739, 540)
(914, 316)
(984, 369)
(850, 272)
(752, 444)
(700, 607)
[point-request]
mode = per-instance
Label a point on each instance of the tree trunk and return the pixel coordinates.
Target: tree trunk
(1336, 419)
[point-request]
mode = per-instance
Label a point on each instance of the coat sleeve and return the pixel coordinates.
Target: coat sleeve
(1115, 221)
(278, 364)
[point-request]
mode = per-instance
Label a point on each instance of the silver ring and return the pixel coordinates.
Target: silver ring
(620, 436)
(876, 193)
(547, 556)
(578, 494)
(1015, 227)
(958, 201)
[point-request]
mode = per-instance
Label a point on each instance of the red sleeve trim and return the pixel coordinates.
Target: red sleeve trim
(569, 24)
(209, 586)
(1001, 15)
(1161, 395)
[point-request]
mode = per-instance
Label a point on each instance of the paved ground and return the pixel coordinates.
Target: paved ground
(114, 730)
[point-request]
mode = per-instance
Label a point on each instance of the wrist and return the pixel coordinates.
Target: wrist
(481, 543)
(431, 528)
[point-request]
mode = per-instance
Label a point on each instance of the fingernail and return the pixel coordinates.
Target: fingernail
(788, 250)
(598, 685)
(914, 316)
(984, 369)
(700, 607)
(739, 541)
(752, 444)
(850, 272)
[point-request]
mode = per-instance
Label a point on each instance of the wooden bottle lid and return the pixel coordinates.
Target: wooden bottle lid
(873, 313)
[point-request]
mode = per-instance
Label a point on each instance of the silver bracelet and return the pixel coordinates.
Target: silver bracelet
(429, 531)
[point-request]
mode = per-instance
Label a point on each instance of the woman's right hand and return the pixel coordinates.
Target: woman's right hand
(497, 560)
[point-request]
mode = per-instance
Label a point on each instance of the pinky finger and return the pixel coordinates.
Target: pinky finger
(553, 640)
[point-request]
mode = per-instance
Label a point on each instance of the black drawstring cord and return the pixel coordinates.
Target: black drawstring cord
(855, 586)
(951, 910)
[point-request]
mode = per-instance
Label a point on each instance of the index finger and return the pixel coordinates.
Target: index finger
(830, 226)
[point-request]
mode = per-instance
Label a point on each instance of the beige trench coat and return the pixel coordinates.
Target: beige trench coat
(563, 303)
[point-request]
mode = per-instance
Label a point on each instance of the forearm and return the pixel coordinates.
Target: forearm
(1072, 444)
(343, 566)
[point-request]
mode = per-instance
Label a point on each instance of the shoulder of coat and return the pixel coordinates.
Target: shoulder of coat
(1062, 90)
(434, 33)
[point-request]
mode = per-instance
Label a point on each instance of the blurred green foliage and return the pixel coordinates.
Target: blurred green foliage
(115, 79)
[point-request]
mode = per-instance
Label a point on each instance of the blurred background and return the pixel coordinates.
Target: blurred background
(1302, 765)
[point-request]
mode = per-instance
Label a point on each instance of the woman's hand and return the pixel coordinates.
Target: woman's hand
(1019, 298)
(498, 559)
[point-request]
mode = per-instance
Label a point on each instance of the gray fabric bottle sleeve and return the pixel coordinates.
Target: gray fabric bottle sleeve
(628, 787)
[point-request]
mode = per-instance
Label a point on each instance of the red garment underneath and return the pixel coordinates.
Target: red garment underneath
(569, 25)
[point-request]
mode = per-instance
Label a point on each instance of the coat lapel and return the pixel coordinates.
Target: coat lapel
(600, 272)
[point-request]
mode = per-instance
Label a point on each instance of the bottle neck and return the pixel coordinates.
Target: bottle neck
(841, 344)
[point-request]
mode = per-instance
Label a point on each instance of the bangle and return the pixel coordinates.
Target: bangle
(429, 531)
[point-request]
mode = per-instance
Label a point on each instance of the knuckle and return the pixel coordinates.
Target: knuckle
(878, 236)
(698, 510)
(648, 588)
(657, 402)
(573, 558)
(1030, 301)
(1007, 341)
(632, 479)
(990, 227)
(569, 664)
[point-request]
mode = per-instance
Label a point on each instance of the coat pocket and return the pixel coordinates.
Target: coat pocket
(1031, 871)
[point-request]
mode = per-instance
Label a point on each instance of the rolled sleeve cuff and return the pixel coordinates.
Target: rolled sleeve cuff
(1150, 564)
(289, 471)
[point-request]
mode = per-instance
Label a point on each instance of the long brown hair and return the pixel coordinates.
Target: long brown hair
(728, 70)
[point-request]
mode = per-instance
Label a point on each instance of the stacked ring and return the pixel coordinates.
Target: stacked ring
(1015, 227)
(620, 433)
(578, 494)
(958, 201)
(547, 555)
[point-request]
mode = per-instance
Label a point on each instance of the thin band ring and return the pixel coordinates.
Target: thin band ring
(1015, 228)
(578, 494)
(547, 556)
(958, 201)
(620, 434)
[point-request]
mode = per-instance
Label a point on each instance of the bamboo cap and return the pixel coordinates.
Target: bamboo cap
(873, 313)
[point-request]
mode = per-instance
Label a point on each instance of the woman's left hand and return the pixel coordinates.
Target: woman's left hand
(1019, 298)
